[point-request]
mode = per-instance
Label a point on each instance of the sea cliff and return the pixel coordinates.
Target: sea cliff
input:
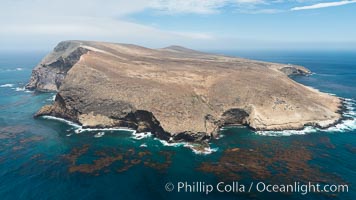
(178, 94)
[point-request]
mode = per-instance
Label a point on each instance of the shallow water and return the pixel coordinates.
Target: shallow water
(47, 159)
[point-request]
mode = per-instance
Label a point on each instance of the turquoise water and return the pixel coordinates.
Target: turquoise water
(45, 159)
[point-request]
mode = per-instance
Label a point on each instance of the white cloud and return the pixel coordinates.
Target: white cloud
(72, 8)
(46, 33)
(42, 24)
(187, 6)
(100, 28)
(36, 22)
(198, 6)
(323, 5)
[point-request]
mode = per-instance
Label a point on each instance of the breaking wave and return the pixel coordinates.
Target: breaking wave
(201, 151)
(79, 129)
(139, 136)
(135, 135)
(194, 147)
(12, 69)
(17, 89)
(7, 85)
(52, 98)
(76, 126)
(348, 124)
(100, 134)
(174, 144)
(20, 89)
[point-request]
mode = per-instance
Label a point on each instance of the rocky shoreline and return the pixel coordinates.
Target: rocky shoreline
(177, 94)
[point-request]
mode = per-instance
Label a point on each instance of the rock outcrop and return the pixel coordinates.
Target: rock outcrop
(52, 70)
(294, 70)
(174, 92)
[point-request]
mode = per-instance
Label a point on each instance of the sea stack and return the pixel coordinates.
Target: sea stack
(174, 92)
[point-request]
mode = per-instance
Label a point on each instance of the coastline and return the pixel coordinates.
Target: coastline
(43, 164)
(182, 105)
(347, 111)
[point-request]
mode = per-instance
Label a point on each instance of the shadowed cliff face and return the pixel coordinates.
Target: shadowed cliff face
(176, 93)
(52, 70)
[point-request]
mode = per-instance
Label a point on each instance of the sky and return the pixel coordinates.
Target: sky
(198, 24)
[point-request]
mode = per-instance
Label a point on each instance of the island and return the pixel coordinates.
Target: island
(177, 94)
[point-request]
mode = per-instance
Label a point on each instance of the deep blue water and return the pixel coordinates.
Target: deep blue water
(44, 159)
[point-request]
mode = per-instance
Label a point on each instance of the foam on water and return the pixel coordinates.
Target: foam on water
(194, 147)
(7, 85)
(348, 124)
(52, 98)
(79, 129)
(12, 86)
(139, 136)
(62, 120)
(18, 89)
(306, 130)
(104, 129)
(21, 89)
(220, 136)
(345, 125)
(12, 69)
(201, 151)
(100, 134)
(173, 144)
(135, 135)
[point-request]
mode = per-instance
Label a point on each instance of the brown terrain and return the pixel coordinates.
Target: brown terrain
(176, 93)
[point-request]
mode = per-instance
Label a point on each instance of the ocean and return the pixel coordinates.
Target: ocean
(46, 159)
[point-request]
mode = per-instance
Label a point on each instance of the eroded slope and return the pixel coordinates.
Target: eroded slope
(176, 91)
